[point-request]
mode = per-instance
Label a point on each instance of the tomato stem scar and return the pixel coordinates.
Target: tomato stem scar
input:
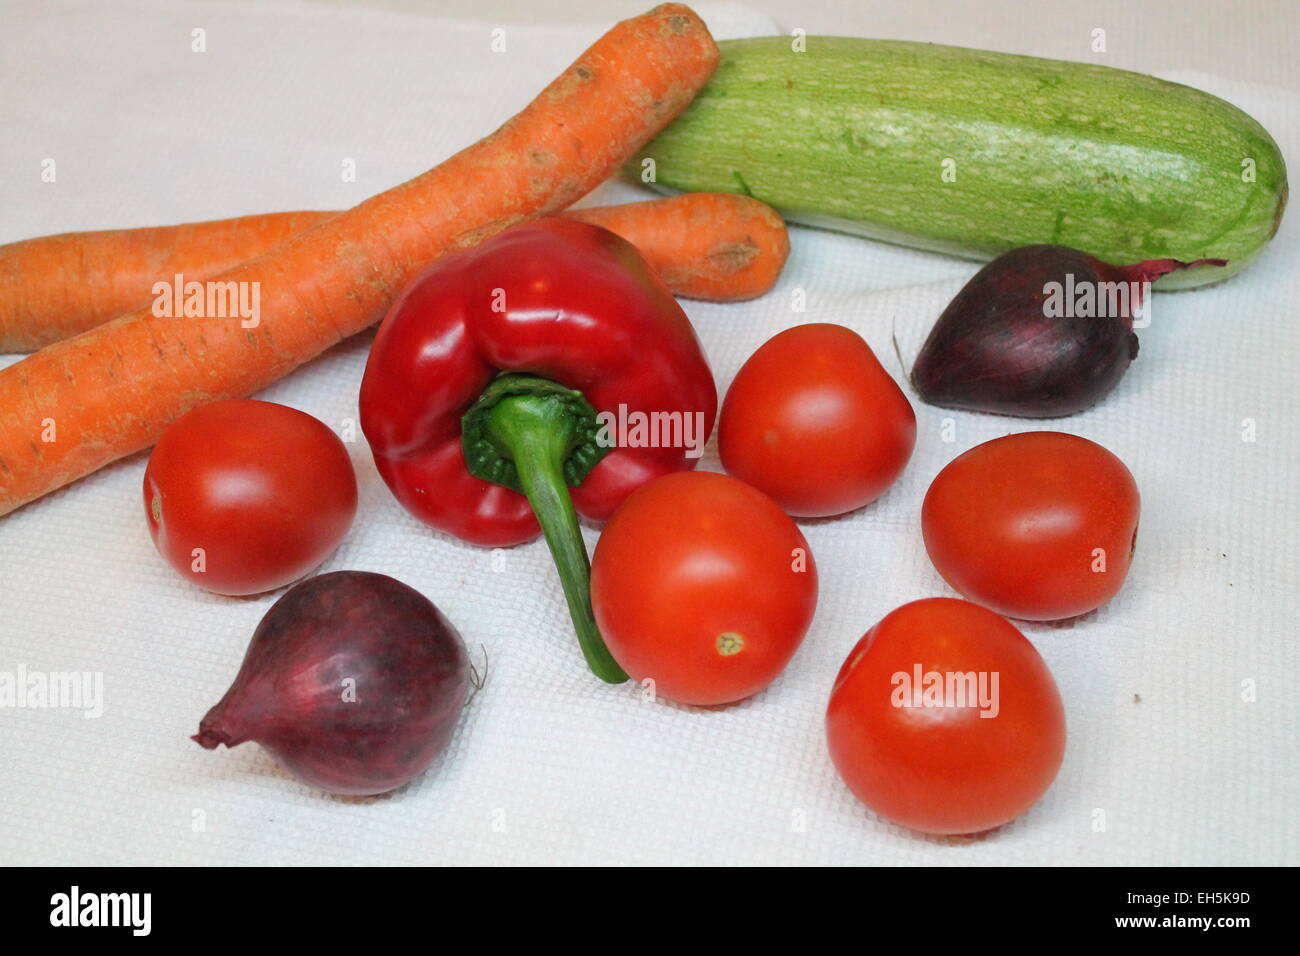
(729, 643)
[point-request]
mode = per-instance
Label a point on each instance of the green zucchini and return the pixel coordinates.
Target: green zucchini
(974, 153)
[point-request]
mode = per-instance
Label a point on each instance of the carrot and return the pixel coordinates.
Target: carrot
(81, 403)
(54, 287)
(717, 246)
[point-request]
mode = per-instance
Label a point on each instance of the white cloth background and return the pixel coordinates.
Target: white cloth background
(548, 764)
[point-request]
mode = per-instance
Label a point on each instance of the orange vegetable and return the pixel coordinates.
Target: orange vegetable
(55, 287)
(81, 403)
(717, 246)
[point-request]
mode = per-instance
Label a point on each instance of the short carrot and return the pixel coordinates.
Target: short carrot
(721, 247)
(717, 246)
(81, 403)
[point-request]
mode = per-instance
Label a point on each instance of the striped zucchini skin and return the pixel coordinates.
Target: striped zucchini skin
(858, 135)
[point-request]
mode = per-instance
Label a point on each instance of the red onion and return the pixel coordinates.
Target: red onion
(353, 682)
(1041, 331)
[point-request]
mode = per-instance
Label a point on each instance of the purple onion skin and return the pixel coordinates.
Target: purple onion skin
(409, 670)
(995, 348)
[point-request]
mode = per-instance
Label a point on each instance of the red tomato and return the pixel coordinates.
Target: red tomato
(704, 585)
(1038, 526)
(923, 753)
(815, 421)
(265, 491)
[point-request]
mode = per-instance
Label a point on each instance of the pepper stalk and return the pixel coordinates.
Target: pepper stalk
(539, 438)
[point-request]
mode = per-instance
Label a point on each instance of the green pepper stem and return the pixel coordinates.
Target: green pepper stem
(537, 434)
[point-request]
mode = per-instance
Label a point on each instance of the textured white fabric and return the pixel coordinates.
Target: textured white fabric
(548, 764)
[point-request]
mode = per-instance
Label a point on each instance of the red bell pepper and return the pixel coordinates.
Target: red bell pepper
(484, 385)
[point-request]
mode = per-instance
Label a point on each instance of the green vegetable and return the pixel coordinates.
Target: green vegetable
(975, 153)
(537, 437)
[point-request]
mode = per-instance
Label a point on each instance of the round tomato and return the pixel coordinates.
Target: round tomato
(704, 585)
(1038, 526)
(815, 421)
(244, 496)
(945, 719)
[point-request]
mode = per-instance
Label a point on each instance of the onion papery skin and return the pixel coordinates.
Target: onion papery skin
(1004, 346)
(353, 681)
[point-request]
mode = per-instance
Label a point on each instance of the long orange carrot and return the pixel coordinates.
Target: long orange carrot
(86, 401)
(55, 287)
(717, 246)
